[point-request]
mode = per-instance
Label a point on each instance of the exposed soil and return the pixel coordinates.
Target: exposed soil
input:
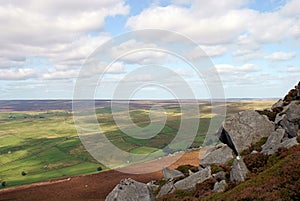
(90, 187)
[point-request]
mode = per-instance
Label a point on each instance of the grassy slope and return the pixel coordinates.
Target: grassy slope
(45, 144)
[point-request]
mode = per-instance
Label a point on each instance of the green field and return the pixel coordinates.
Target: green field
(45, 145)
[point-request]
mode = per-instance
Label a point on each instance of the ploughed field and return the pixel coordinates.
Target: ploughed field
(39, 141)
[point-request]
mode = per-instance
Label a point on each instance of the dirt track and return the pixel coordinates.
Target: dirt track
(88, 187)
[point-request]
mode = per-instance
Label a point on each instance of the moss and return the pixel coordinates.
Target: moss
(185, 169)
(257, 147)
(216, 168)
(230, 162)
(298, 139)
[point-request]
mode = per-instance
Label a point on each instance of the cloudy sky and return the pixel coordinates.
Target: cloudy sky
(253, 44)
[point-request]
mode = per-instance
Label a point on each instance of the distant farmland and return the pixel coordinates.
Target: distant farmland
(38, 139)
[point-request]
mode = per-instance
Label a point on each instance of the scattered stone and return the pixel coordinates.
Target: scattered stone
(169, 173)
(289, 143)
(245, 128)
(220, 186)
(273, 142)
(220, 175)
(190, 182)
(130, 190)
(217, 155)
(166, 189)
(238, 171)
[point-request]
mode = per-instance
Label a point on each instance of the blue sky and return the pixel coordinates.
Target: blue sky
(254, 45)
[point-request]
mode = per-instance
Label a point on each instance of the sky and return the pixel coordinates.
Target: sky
(253, 45)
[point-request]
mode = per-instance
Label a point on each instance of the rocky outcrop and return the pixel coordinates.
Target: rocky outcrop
(278, 106)
(273, 142)
(169, 173)
(220, 186)
(239, 170)
(166, 189)
(244, 129)
(130, 190)
(190, 182)
(290, 121)
(217, 155)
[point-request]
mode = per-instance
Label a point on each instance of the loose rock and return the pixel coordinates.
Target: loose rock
(190, 182)
(130, 190)
(238, 171)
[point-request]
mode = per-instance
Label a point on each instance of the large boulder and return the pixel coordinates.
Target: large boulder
(190, 182)
(245, 128)
(220, 154)
(130, 190)
(169, 173)
(239, 170)
(290, 121)
(273, 142)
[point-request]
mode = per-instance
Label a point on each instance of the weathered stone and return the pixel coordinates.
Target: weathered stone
(220, 175)
(290, 121)
(130, 190)
(245, 128)
(293, 112)
(190, 182)
(169, 173)
(278, 106)
(238, 171)
(289, 143)
(279, 118)
(191, 173)
(217, 155)
(220, 186)
(152, 186)
(273, 142)
(166, 189)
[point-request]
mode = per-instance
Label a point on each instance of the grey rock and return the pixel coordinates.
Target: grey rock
(289, 143)
(217, 155)
(169, 173)
(220, 186)
(273, 142)
(152, 186)
(278, 106)
(220, 175)
(130, 190)
(238, 171)
(190, 182)
(245, 128)
(191, 173)
(279, 118)
(290, 121)
(166, 189)
(293, 112)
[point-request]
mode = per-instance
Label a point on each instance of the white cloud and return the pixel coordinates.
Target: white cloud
(281, 56)
(215, 22)
(230, 69)
(293, 70)
(18, 74)
(54, 30)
